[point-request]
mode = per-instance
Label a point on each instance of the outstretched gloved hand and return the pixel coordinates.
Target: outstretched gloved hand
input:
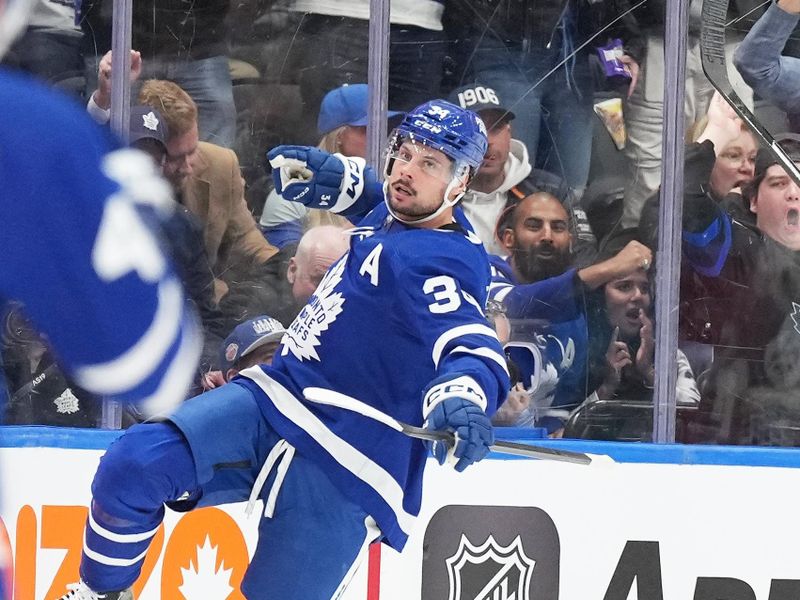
(307, 175)
(456, 410)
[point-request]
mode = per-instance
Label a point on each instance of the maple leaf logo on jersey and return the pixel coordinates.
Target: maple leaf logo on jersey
(303, 335)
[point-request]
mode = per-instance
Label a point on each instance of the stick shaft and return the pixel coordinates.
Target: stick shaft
(333, 398)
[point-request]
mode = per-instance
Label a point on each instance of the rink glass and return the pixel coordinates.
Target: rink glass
(259, 71)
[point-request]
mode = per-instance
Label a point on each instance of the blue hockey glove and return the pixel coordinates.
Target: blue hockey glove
(317, 178)
(456, 404)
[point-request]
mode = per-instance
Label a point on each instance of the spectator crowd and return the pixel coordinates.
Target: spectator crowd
(566, 201)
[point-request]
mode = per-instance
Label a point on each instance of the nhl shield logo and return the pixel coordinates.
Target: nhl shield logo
(490, 571)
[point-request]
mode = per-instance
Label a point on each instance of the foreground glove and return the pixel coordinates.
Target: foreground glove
(456, 404)
(317, 178)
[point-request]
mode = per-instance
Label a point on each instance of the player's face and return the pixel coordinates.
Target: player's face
(420, 175)
(181, 151)
(735, 165)
(626, 299)
(539, 241)
(494, 160)
(777, 207)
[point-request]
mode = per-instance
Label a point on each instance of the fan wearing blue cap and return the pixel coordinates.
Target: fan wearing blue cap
(343, 117)
(253, 342)
(342, 123)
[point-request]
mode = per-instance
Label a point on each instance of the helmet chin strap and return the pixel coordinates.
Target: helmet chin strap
(442, 207)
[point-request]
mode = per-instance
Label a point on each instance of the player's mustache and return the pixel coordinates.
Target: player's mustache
(406, 184)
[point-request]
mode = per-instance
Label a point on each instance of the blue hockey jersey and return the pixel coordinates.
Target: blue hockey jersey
(404, 306)
(551, 314)
(81, 252)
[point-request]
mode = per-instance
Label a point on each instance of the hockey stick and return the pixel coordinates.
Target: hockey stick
(712, 53)
(332, 398)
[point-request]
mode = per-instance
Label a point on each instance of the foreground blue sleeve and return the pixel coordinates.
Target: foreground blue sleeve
(758, 58)
(82, 251)
(555, 299)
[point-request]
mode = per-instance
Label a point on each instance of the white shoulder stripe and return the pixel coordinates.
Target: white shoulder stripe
(472, 237)
(484, 352)
(346, 455)
(456, 332)
(471, 300)
(135, 365)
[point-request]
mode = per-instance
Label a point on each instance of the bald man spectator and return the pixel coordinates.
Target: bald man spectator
(282, 285)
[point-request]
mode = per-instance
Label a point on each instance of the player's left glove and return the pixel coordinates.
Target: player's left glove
(457, 404)
(317, 178)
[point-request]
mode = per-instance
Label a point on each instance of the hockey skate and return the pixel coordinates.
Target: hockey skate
(81, 591)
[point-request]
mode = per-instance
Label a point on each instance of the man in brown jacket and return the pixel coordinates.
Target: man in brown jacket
(207, 181)
(205, 177)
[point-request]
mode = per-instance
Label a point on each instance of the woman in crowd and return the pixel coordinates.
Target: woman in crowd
(621, 344)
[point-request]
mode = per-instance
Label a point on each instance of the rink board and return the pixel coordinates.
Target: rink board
(678, 522)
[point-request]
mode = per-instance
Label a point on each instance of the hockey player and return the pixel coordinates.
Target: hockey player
(397, 323)
(80, 248)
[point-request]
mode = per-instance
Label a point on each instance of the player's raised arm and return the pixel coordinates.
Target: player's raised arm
(342, 184)
(759, 58)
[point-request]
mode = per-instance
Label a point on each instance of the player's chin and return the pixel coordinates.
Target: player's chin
(403, 205)
(411, 216)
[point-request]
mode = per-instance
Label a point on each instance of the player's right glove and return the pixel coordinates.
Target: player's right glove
(456, 404)
(317, 178)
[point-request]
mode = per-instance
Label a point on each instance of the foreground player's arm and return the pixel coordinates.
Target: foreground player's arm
(85, 259)
(342, 184)
(759, 61)
(560, 298)
(555, 298)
